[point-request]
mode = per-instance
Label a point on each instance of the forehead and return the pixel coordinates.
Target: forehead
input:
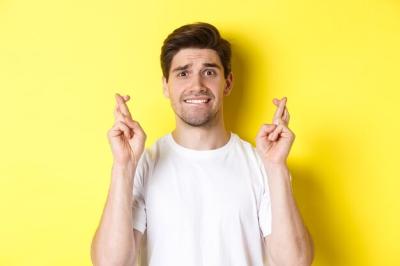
(195, 56)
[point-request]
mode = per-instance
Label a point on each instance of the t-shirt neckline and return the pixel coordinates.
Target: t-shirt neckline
(200, 153)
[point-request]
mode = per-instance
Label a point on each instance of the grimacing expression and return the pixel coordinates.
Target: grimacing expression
(196, 85)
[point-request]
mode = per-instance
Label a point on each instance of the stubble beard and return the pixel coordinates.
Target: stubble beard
(202, 119)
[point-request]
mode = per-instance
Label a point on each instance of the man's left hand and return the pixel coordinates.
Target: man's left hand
(273, 141)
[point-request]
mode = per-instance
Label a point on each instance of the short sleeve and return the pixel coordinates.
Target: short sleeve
(264, 211)
(139, 217)
(264, 215)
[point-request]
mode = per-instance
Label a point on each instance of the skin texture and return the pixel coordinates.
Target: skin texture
(198, 126)
(274, 141)
(196, 82)
(290, 243)
(114, 242)
(126, 137)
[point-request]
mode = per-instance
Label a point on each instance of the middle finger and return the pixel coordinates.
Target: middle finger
(285, 116)
(122, 105)
(279, 111)
(118, 115)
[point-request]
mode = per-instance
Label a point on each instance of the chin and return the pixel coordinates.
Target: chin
(198, 120)
(197, 123)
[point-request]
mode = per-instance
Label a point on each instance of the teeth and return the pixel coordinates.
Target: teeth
(196, 101)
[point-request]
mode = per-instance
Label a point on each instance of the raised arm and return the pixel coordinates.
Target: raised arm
(115, 242)
(290, 242)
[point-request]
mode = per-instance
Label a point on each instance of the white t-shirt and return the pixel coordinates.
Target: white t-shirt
(208, 207)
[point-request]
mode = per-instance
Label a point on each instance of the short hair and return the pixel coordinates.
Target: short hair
(195, 35)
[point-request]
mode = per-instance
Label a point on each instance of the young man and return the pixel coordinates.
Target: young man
(202, 195)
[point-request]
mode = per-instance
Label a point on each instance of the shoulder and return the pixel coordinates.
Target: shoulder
(148, 160)
(151, 154)
(251, 155)
(247, 148)
(253, 160)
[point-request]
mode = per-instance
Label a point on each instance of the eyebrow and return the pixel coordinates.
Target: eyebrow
(179, 68)
(212, 65)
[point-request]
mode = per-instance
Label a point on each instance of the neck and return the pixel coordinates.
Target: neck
(201, 138)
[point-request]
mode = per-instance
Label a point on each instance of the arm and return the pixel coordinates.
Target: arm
(290, 242)
(115, 242)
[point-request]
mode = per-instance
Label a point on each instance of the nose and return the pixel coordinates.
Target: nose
(197, 83)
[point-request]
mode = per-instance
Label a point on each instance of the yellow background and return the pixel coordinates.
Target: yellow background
(62, 61)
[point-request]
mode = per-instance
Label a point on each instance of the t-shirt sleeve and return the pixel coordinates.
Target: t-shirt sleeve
(138, 200)
(264, 211)
(264, 215)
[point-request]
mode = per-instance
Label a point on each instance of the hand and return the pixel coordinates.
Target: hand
(126, 137)
(273, 141)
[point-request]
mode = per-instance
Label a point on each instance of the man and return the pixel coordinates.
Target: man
(201, 194)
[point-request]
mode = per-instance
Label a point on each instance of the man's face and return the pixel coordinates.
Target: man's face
(196, 85)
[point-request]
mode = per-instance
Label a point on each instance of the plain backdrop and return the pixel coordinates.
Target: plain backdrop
(61, 62)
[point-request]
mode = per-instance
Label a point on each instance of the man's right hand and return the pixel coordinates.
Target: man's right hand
(126, 137)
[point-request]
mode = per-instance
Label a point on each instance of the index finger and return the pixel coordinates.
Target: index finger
(122, 105)
(279, 111)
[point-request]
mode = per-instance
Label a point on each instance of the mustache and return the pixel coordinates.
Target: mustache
(197, 94)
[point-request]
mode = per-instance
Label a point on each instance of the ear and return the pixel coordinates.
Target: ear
(229, 84)
(165, 87)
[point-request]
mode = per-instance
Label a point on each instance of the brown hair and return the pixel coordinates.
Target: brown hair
(195, 35)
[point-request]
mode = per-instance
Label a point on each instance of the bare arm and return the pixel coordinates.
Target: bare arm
(115, 242)
(290, 242)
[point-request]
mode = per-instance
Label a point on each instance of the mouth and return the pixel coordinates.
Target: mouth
(198, 101)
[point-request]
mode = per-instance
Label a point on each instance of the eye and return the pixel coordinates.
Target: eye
(209, 72)
(182, 74)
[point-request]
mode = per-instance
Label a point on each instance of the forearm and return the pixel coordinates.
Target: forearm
(113, 243)
(290, 242)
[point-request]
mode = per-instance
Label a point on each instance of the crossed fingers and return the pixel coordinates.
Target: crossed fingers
(121, 111)
(281, 115)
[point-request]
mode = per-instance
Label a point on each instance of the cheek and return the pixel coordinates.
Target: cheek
(175, 94)
(218, 87)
